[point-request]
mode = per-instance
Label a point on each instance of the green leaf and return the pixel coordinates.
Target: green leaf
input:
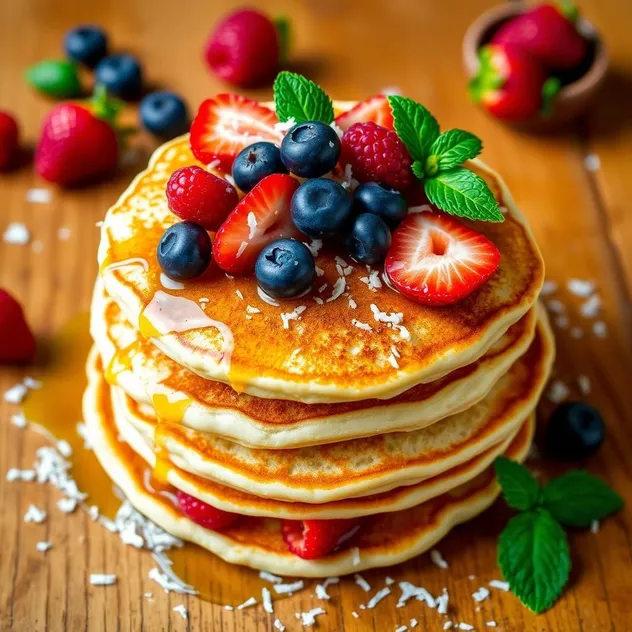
(57, 79)
(461, 192)
(415, 126)
(534, 557)
(520, 489)
(454, 147)
(418, 170)
(577, 498)
(301, 99)
(284, 34)
(550, 89)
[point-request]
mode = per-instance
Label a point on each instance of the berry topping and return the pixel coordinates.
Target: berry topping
(121, 75)
(17, 344)
(9, 138)
(376, 154)
(164, 114)
(184, 251)
(369, 239)
(575, 431)
(436, 260)
(244, 49)
(261, 217)
(321, 208)
(255, 162)
(376, 109)
(86, 44)
(205, 515)
(312, 539)
(285, 268)
(196, 195)
(58, 79)
(310, 150)
(225, 125)
(389, 204)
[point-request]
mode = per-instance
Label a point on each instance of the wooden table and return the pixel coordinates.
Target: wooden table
(354, 48)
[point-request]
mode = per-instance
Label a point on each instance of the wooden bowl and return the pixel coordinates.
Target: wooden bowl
(579, 88)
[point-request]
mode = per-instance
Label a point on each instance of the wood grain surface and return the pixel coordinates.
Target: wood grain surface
(354, 48)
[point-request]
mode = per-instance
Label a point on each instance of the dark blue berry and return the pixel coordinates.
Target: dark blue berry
(310, 150)
(164, 114)
(369, 239)
(184, 251)
(575, 431)
(388, 204)
(285, 268)
(321, 208)
(86, 44)
(121, 75)
(254, 163)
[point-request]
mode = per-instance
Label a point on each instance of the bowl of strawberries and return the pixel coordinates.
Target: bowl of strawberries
(536, 66)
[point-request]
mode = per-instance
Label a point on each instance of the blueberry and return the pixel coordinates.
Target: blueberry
(285, 268)
(321, 208)
(369, 239)
(254, 163)
(164, 114)
(575, 431)
(86, 44)
(184, 251)
(310, 150)
(121, 75)
(389, 204)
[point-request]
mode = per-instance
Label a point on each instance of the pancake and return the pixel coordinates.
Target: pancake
(318, 355)
(150, 377)
(383, 540)
(358, 467)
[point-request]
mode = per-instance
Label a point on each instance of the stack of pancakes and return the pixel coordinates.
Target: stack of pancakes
(349, 402)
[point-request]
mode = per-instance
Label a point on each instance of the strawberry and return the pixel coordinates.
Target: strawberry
(225, 125)
(376, 109)
(547, 34)
(9, 134)
(261, 217)
(205, 515)
(312, 539)
(17, 344)
(436, 260)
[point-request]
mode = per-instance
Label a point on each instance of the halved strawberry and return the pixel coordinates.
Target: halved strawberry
(205, 515)
(376, 109)
(311, 539)
(436, 260)
(262, 216)
(223, 126)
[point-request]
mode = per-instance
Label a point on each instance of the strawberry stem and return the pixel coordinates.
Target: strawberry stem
(284, 36)
(550, 90)
(103, 106)
(488, 77)
(569, 10)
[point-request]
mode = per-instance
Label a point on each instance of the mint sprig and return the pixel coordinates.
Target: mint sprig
(453, 148)
(533, 551)
(298, 98)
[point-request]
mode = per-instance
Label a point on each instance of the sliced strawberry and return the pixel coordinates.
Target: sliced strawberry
(205, 515)
(311, 539)
(223, 126)
(376, 109)
(262, 216)
(436, 260)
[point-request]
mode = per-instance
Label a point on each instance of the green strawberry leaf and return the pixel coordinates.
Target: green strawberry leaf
(461, 192)
(534, 557)
(520, 489)
(577, 498)
(301, 99)
(57, 79)
(550, 89)
(415, 126)
(284, 35)
(453, 148)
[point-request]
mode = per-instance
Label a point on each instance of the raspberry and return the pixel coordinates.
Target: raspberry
(196, 195)
(205, 515)
(17, 344)
(311, 539)
(376, 154)
(8, 140)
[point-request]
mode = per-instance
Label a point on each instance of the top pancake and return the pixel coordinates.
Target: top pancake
(319, 356)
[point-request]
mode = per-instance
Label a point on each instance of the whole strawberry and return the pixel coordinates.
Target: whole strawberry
(78, 141)
(17, 344)
(8, 140)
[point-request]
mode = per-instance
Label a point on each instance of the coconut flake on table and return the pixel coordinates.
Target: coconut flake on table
(576, 332)
(592, 163)
(377, 597)
(288, 589)
(549, 288)
(491, 624)
(556, 306)
(600, 329)
(465, 626)
(16, 234)
(102, 579)
(447, 625)
(401, 628)
(442, 602)
(278, 625)
(561, 322)
(38, 196)
(558, 392)
(437, 559)
(413, 623)
(389, 581)
(591, 307)
(321, 589)
(19, 420)
(499, 585)
(84, 433)
(34, 514)
(251, 601)
(15, 474)
(37, 246)
(594, 526)
(363, 583)
(580, 287)
(182, 611)
(481, 594)
(42, 547)
(410, 591)
(64, 448)
(67, 505)
(266, 599)
(308, 619)
(16, 394)
(64, 233)
(355, 553)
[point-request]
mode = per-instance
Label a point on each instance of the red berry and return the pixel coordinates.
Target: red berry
(17, 344)
(8, 139)
(312, 539)
(196, 195)
(376, 109)
(244, 49)
(376, 154)
(205, 515)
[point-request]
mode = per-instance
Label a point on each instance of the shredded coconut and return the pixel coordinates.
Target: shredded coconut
(278, 625)
(413, 623)
(360, 325)
(437, 559)
(355, 552)
(389, 581)
(548, 288)
(556, 306)
(362, 582)
(295, 315)
(19, 420)
(102, 579)
(580, 287)
(64, 233)
(576, 332)
(269, 577)
(377, 597)
(491, 624)
(16, 394)
(558, 392)
(84, 433)
(64, 448)
(600, 329)
(67, 505)
(338, 289)
(285, 126)
(499, 585)
(42, 547)
(314, 246)
(592, 162)
(481, 594)
(442, 602)
(16, 234)
(239, 294)
(33, 514)
(372, 281)
(583, 381)
(465, 626)
(591, 307)
(266, 600)
(288, 589)
(251, 601)
(308, 619)
(594, 526)
(182, 611)
(38, 196)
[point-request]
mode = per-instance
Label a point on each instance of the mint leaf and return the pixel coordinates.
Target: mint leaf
(520, 489)
(534, 557)
(461, 192)
(301, 99)
(284, 37)
(577, 498)
(418, 169)
(454, 147)
(415, 126)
